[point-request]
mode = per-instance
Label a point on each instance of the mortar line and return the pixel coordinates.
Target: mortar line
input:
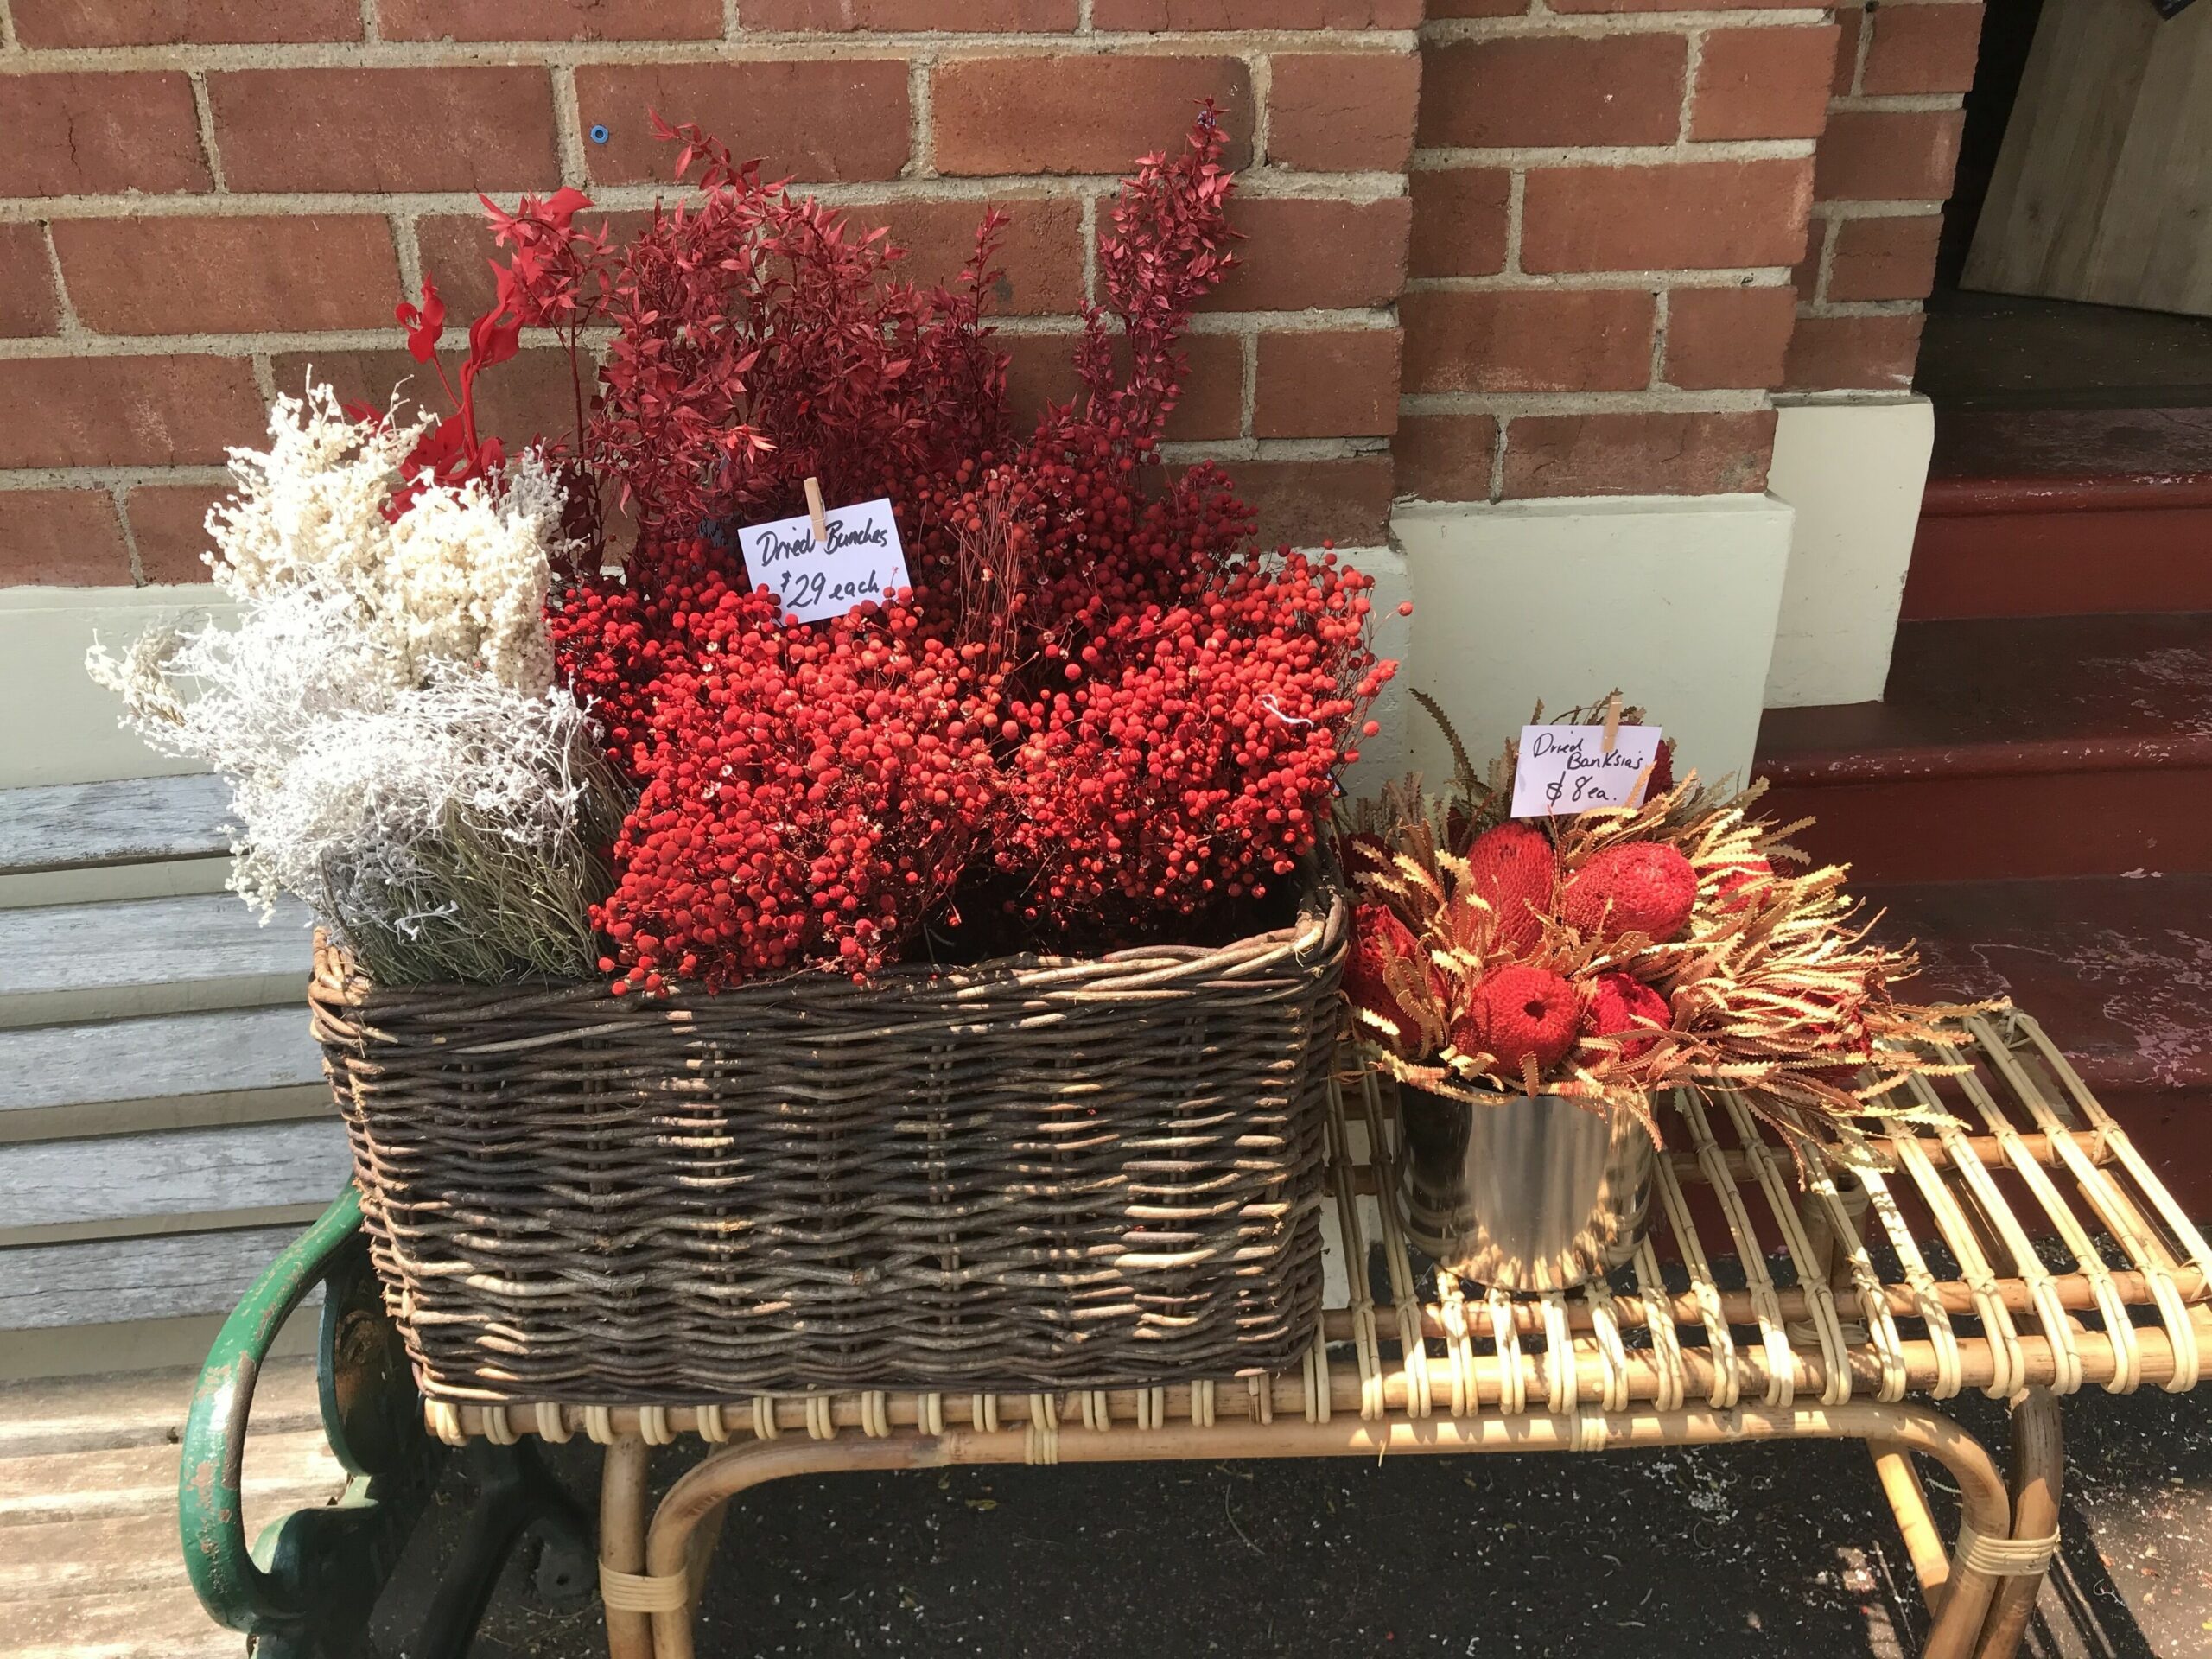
(203, 111)
(115, 495)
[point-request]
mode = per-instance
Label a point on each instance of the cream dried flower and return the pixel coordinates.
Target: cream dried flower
(383, 709)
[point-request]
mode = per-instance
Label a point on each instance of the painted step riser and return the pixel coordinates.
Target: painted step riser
(1953, 829)
(2066, 563)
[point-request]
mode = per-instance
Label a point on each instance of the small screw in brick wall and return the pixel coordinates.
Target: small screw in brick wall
(599, 134)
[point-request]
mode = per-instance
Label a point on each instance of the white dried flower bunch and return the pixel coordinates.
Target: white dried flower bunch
(384, 710)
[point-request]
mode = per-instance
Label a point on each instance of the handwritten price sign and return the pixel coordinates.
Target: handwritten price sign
(1564, 770)
(862, 559)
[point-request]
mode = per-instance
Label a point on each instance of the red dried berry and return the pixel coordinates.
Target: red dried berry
(1620, 1003)
(1513, 870)
(1521, 1013)
(1645, 886)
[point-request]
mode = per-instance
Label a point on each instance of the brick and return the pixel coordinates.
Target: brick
(228, 276)
(412, 129)
(1728, 337)
(1889, 154)
(550, 20)
(1212, 404)
(1328, 384)
(1306, 503)
(168, 522)
(1301, 252)
(1884, 258)
(917, 16)
(27, 306)
(1041, 250)
(1201, 14)
(1528, 340)
(1638, 453)
(530, 396)
(1080, 113)
(1852, 21)
(1764, 83)
(62, 538)
(1923, 48)
(174, 22)
(1040, 370)
(1875, 353)
(1446, 457)
(126, 411)
(1696, 216)
(816, 119)
(1342, 113)
(97, 134)
(1462, 217)
(1559, 89)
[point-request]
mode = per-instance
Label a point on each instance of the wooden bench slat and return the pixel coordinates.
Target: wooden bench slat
(172, 1172)
(60, 963)
(136, 820)
(50, 1286)
(234, 1050)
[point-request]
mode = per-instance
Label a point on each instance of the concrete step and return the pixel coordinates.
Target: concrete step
(2058, 513)
(2115, 967)
(2012, 748)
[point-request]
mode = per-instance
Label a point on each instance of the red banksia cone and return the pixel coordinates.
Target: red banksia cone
(1378, 937)
(1514, 869)
(1520, 1014)
(1645, 886)
(1618, 1005)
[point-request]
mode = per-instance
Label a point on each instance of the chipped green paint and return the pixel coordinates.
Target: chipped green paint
(235, 1592)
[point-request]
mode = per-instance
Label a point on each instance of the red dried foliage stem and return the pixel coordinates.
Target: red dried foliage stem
(1098, 713)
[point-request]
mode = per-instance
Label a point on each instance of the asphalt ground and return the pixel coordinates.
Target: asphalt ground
(1759, 1549)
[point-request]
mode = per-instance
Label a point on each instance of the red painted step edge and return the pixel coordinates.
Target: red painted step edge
(2023, 757)
(1953, 498)
(2049, 546)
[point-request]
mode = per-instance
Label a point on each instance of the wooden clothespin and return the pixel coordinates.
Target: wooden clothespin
(1612, 721)
(816, 511)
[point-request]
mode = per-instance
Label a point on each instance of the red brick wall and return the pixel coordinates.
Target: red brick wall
(200, 198)
(1609, 199)
(1884, 169)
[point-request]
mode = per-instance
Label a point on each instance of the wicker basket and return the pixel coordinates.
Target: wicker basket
(1047, 1173)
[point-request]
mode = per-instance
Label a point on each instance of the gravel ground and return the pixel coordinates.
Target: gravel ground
(1720, 1552)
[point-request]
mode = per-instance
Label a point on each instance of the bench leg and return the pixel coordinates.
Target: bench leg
(622, 1542)
(2038, 1465)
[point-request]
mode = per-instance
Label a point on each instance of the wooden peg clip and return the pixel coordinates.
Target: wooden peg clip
(1612, 721)
(816, 512)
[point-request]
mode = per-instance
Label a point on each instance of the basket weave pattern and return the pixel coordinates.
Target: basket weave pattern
(1048, 1173)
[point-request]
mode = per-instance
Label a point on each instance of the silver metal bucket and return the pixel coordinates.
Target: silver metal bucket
(1523, 1194)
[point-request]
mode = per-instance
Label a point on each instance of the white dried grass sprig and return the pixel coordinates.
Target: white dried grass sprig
(384, 709)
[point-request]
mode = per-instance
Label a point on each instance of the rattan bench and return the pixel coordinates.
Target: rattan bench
(2026, 1252)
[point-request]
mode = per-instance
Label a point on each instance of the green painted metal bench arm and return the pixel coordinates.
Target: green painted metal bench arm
(313, 1563)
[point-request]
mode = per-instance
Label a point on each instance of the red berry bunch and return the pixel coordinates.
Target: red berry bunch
(1098, 708)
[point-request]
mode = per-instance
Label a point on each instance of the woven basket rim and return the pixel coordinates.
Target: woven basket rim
(1320, 927)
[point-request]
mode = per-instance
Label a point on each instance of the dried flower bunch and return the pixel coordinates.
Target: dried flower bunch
(1619, 952)
(1097, 714)
(385, 708)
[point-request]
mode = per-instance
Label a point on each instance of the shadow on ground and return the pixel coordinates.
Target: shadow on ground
(1750, 1550)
